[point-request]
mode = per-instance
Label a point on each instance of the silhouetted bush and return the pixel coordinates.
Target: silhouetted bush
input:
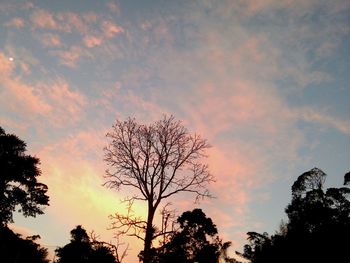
(15, 249)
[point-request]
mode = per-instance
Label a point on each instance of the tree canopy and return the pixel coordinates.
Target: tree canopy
(155, 162)
(82, 249)
(14, 248)
(18, 180)
(317, 229)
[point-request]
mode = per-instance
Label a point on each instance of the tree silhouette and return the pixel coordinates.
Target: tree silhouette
(14, 248)
(158, 161)
(18, 180)
(317, 229)
(195, 241)
(82, 250)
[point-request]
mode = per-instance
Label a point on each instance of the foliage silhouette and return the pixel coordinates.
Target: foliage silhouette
(82, 250)
(158, 161)
(18, 180)
(196, 241)
(15, 249)
(318, 225)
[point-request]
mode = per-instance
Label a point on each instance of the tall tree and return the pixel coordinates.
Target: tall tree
(18, 180)
(317, 228)
(158, 161)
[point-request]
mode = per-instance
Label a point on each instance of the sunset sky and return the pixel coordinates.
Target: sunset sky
(265, 81)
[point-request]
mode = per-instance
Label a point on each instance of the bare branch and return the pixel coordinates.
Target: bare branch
(115, 248)
(128, 224)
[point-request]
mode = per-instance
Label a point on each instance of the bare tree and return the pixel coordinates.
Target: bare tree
(158, 161)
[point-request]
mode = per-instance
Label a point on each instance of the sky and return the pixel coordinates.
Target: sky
(265, 82)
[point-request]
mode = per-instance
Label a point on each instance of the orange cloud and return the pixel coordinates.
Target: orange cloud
(92, 41)
(110, 29)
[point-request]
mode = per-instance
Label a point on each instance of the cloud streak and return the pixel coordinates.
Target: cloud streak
(54, 101)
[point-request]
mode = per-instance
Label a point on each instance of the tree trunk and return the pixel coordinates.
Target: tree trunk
(149, 235)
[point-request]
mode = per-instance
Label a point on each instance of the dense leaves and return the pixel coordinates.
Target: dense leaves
(195, 241)
(18, 180)
(14, 248)
(82, 250)
(317, 229)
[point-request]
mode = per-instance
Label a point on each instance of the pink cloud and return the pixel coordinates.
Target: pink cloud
(44, 19)
(143, 109)
(51, 40)
(113, 6)
(110, 29)
(89, 17)
(25, 67)
(250, 50)
(6, 66)
(135, 106)
(26, 97)
(86, 144)
(250, 8)
(69, 22)
(146, 25)
(56, 101)
(317, 116)
(18, 95)
(92, 41)
(72, 21)
(67, 104)
(16, 22)
(20, 127)
(224, 112)
(70, 57)
(11, 7)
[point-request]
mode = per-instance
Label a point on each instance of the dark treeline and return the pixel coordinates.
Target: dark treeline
(317, 228)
